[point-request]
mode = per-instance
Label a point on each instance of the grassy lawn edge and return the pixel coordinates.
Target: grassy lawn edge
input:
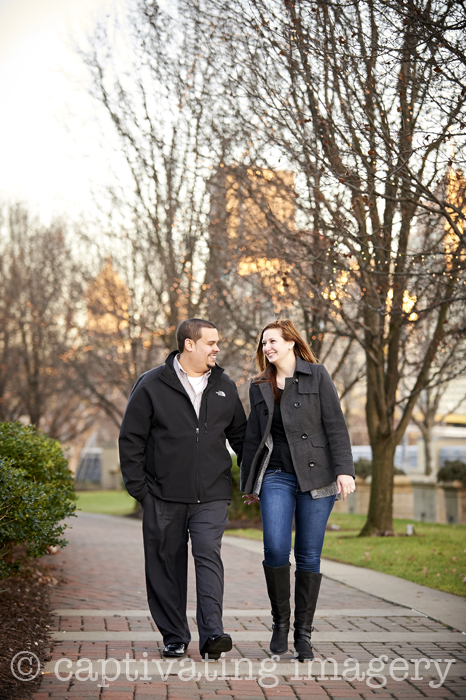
(106, 502)
(434, 557)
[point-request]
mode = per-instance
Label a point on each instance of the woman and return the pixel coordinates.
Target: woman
(297, 456)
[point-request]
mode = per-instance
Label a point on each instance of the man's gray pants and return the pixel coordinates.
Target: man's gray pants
(166, 527)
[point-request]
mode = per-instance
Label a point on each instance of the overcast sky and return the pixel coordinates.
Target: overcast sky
(49, 139)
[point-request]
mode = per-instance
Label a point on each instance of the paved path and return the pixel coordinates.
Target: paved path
(368, 640)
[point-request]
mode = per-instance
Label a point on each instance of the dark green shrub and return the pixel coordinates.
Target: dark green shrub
(27, 515)
(454, 470)
(363, 468)
(36, 493)
(41, 457)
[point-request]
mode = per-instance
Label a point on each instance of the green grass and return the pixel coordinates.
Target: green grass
(248, 532)
(435, 556)
(108, 502)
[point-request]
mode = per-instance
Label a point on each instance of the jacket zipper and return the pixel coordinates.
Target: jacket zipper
(197, 464)
(197, 443)
(197, 439)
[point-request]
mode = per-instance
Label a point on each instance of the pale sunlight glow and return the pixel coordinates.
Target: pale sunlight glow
(50, 156)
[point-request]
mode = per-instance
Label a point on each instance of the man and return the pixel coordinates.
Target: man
(175, 462)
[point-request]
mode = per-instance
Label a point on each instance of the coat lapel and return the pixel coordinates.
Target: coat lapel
(306, 378)
(266, 391)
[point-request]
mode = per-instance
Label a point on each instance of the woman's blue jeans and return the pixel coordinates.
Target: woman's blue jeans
(280, 500)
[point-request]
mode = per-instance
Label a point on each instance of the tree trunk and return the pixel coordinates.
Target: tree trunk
(380, 516)
(429, 407)
(428, 451)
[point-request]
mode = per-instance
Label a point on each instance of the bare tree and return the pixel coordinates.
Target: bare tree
(447, 368)
(117, 337)
(440, 29)
(263, 266)
(39, 299)
(369, 114)
(10, 403)
(156, 75)
(164, 101)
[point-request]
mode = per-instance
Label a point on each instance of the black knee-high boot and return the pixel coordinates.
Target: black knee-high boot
(278, 588)
(307, 586)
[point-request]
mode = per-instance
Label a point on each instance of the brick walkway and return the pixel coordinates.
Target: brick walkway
(102, 626)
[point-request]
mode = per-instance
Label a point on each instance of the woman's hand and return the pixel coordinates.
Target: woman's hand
(345, 484)
(250, 499)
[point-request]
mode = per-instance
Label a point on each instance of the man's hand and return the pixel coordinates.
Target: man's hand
(249, 499)
(345, 484)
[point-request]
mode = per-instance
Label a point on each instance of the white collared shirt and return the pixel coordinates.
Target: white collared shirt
(194, 386)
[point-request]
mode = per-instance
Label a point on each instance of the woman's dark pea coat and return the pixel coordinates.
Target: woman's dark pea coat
(314, 425)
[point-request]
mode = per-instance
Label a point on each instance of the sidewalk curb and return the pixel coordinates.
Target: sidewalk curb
(358, 637)
(443, 607)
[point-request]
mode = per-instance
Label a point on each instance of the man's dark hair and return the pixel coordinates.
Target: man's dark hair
(192, 329)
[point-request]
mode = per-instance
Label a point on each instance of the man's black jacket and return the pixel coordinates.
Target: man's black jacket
(167, 450)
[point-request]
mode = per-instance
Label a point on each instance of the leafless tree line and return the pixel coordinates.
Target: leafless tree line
(40, 295)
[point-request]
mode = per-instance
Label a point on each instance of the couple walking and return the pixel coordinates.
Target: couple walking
(295, 458)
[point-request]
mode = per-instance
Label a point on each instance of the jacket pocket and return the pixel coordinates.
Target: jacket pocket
(319, 440)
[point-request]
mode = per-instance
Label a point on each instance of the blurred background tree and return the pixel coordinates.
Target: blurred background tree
(369, 114)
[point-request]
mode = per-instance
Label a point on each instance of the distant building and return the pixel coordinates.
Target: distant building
(107, 302)
(98, 465)
(248, 206)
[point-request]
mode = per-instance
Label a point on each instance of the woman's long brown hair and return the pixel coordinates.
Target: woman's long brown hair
(268, 371)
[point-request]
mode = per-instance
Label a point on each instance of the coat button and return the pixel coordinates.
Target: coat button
(304, 436)
(312, 463)
(266, 411)
(297, 404)
(295, 381)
